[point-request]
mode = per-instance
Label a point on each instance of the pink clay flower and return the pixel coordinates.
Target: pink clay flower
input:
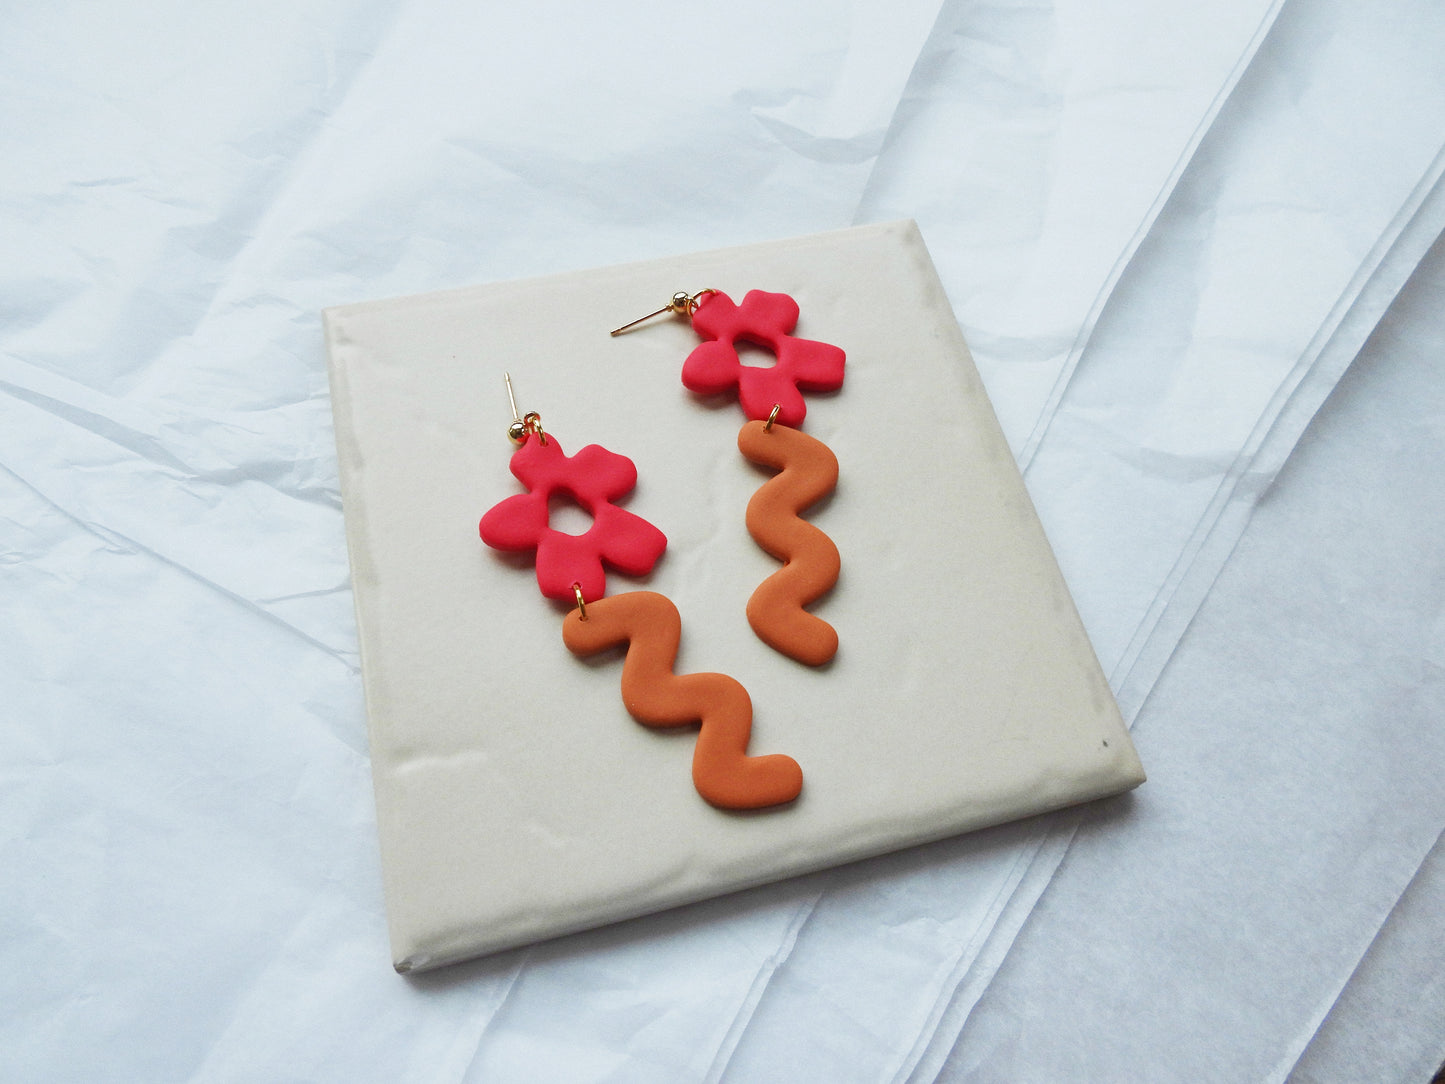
(766, 320)
(594, 478)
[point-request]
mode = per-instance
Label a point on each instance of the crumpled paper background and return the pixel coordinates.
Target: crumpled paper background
(1167, 232)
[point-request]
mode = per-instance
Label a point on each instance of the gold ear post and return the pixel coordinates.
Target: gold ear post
(682, 304)
(521, 428)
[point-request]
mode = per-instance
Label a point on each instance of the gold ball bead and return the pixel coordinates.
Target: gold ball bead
(517, 431)
(681, 301)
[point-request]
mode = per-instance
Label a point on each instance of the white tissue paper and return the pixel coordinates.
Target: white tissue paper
(1123, 465)
(1038, 144)
(1301, 795)
(188, 848)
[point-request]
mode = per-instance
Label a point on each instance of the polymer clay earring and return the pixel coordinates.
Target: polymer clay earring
(772, 399)
(573, 569)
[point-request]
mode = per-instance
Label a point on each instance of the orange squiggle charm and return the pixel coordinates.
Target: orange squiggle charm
(721, 769)
(810, 560)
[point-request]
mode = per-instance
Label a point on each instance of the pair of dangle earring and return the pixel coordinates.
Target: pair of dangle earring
(573, 569)
(772, 399)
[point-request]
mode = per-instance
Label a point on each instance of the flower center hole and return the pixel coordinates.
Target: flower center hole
(755, 357)
(567, 516)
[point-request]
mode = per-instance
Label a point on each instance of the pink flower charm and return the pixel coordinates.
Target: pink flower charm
(766, 320)
(594, 478)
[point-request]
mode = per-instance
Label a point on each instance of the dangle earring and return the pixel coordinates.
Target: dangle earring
(570, 569)
(772, 398)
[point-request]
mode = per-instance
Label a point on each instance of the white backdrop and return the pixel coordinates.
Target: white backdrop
(1166, 229)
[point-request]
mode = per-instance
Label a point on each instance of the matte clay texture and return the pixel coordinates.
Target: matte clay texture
(809, 471)
(594, 478)
(763, 319)
(649, 624)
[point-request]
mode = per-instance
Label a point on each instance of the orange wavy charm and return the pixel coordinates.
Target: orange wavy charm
(810, 560)
(648, 623)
